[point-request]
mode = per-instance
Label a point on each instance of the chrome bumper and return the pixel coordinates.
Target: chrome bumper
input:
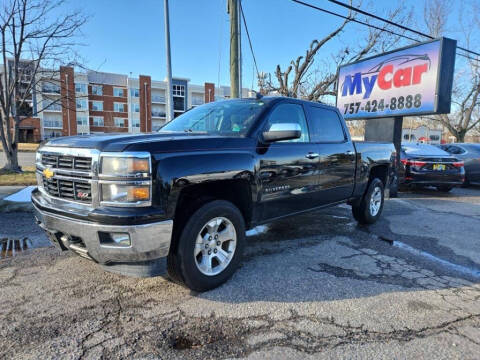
(148, 241)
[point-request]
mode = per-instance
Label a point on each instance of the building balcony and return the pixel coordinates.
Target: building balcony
(52, 124)
(52, 107)
(158, 99)
(158, 114)
(196, 102)
(51, 90)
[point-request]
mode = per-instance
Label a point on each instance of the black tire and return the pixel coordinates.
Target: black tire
(181, 261)
(361, 212)
(466, 183)
(444, 188)
(394, 188)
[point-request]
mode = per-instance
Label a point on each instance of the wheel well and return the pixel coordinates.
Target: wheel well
(193, 197)
(379, 171)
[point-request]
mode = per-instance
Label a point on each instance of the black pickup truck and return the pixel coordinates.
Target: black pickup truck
(190, 191)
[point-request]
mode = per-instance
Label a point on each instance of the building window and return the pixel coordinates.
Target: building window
(97, 105)
(82, 121)
(178, 103)
(178, 90)
(52, 122)
(136, 123)
(81, 88)
(134, 92)
(81, 104)
(118, 92)
(119, 107)
(97, 121)
(97, 90)
(50, 105)
(119, 122)
(135, 107)
(50, 88)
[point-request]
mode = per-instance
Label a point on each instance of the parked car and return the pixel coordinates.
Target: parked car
(427, 165)
(470, 154)
(190, 191)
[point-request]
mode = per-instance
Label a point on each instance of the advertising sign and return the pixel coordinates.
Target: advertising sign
(416, 80)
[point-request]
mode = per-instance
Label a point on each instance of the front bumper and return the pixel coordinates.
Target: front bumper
(148, 241)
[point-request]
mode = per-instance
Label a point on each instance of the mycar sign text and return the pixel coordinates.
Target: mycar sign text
(415, 80)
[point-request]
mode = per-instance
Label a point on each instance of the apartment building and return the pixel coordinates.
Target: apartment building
(73, 103)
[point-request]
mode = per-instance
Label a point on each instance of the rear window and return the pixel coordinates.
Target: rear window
(325, 125)
(422, 149)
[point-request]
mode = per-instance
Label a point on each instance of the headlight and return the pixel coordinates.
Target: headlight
(125, 166)
(125, 179)
(125, 194)
(38, 158)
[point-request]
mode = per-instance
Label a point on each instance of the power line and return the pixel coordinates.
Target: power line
(367, 24)
(249, 40)
(394, 24)
(353, 20)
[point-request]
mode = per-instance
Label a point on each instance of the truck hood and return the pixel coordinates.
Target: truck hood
(162, 141)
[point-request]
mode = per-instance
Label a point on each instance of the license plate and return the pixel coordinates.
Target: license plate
(440, 167)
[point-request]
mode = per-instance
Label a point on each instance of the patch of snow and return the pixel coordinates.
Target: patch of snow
(257, 230)
(22, 195)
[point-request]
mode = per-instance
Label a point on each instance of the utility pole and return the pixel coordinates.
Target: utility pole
(169, 94)
(235, 49)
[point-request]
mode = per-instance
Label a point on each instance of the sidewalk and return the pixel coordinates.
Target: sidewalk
(18, 199)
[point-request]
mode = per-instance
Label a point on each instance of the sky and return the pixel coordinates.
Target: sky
(127, 36)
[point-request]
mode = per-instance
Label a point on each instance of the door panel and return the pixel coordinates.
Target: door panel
(288, 170)
(337, 171)
(289, 180)
(337, 154)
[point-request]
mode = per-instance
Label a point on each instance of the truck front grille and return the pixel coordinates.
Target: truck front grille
(71, 189)
(67, 162)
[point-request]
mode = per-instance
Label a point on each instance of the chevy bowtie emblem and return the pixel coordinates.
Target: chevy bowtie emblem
(48, 173)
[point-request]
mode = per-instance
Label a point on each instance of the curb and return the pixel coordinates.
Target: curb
(13, 206)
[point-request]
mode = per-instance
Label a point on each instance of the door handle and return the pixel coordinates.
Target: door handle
(312, 155)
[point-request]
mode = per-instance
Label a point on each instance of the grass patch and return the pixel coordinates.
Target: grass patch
(13, 178)
(25, 147)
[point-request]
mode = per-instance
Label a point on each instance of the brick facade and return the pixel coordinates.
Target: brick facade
(209, 92)
(145, 102)
(108, 113)
(68, 100)
(29, 130)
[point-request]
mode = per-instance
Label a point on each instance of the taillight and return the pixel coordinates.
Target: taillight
(458, 164)
(413, 162)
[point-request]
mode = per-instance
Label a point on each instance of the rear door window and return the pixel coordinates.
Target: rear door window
(325, 125)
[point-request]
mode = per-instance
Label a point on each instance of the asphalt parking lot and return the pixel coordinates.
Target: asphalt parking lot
(313, 286)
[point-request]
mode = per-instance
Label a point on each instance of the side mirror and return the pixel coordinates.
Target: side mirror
(279, 132)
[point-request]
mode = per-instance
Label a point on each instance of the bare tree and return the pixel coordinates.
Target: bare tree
(316, 83)
(465, 114)
(35, 40)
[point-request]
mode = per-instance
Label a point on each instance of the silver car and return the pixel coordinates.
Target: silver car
(470, 154)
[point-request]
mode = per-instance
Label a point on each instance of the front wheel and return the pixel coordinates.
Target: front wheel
(370, 207)
(209, 248)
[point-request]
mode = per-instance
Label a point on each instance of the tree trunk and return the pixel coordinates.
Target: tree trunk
(12, 160)
(460, 136)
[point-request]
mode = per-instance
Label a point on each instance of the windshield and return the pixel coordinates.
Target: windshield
(231, 118)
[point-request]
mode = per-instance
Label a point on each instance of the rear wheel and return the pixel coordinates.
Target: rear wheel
(370, 207)
(445, 188)
(210, 247)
